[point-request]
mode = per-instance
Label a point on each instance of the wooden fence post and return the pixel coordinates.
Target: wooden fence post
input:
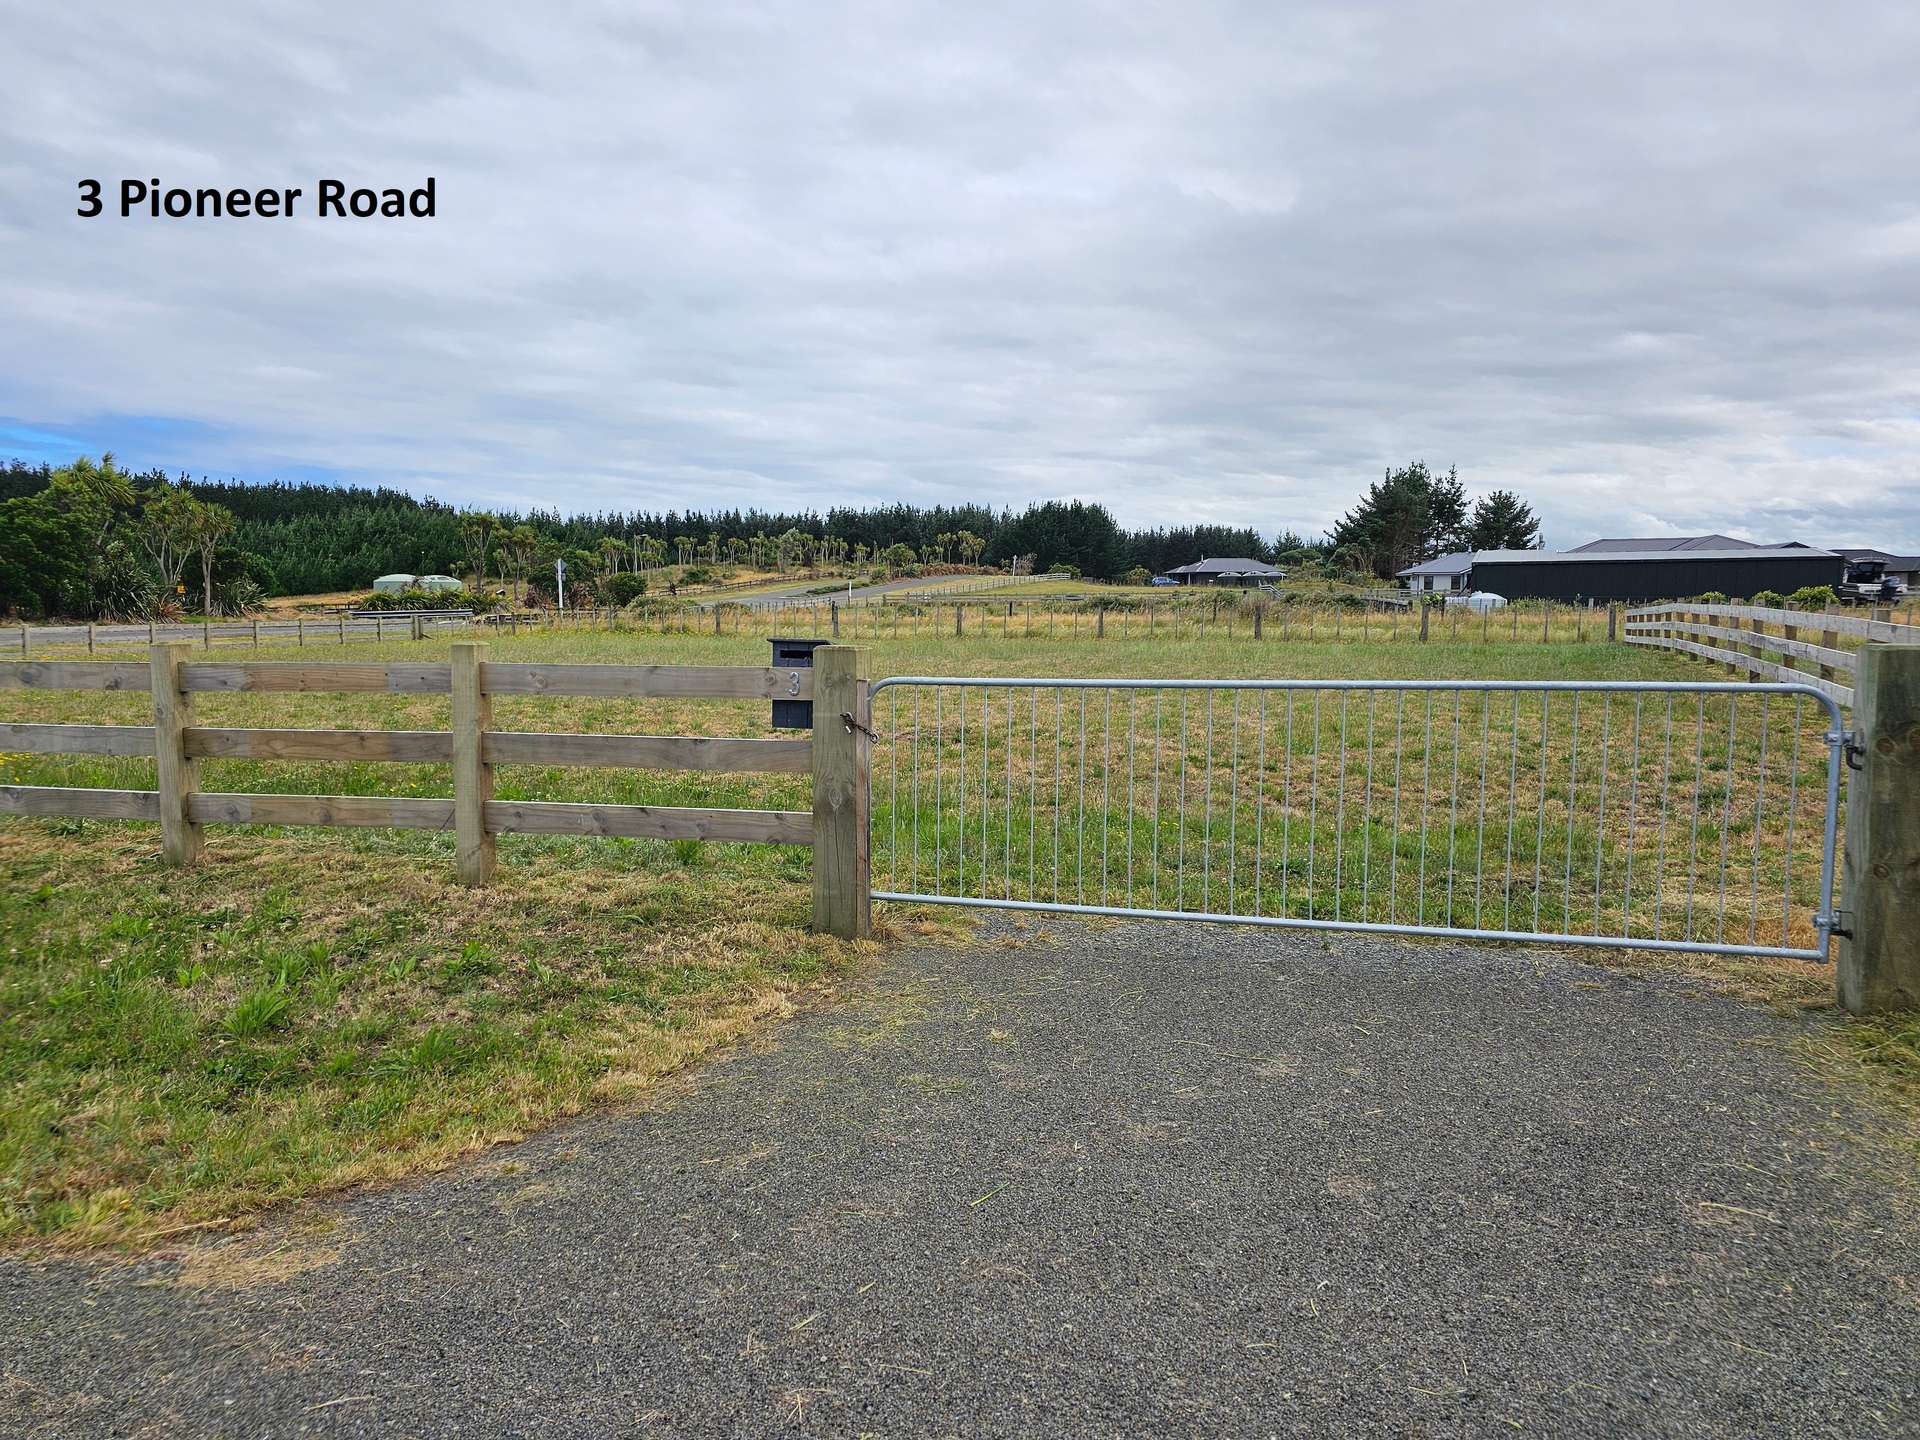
(833, 614)
(472, 775)
(1258, 609)
(842, 883)
(1613, 621)
(1426, 617)
(956, 621)
(1100, 621)
(176, 777)
(1879, 965)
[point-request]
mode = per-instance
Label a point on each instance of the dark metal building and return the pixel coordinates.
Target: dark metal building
(1636, 575)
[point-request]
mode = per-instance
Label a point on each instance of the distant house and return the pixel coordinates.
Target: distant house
(1226, 572)
(1440, 576)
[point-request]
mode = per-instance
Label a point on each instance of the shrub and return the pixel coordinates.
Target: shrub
(1138, 575)
(1814, 597)
(1710, 597)
(624, 588)
(428, 600)
(696, 575)
(1772, 599)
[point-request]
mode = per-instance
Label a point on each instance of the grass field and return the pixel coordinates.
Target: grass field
(314, 1008)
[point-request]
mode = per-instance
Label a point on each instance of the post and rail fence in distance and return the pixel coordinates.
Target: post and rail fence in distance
(1806, 647)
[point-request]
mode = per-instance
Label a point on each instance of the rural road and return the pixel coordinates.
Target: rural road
(1086, 1181)
(800, 590)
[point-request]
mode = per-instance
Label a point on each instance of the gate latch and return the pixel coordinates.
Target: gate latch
(1838, 922)
(846, 718)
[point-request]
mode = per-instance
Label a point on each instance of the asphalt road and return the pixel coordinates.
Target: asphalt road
(1107, 1181)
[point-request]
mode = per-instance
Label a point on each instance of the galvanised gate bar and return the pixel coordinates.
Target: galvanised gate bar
(1696, 817)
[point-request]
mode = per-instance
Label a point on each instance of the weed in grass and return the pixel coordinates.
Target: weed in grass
(258, 1011)
(190, 974)
(401, 967)
(436, 1049)
(688, 852)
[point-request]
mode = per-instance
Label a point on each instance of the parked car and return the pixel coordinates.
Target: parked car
(1476, 600)
(1164, 580)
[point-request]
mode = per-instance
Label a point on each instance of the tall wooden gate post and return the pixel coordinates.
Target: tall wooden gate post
(1879, 966)
(175, 776)
(842, 879)
(472, 775)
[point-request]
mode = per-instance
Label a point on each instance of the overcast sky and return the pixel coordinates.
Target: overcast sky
(1656, 268)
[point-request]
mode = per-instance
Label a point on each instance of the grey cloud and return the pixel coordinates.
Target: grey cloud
(1656, 267)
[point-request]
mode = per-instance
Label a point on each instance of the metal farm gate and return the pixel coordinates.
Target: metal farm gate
(1698, 817)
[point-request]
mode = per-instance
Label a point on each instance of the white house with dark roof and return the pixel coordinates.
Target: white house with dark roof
(1439, 576)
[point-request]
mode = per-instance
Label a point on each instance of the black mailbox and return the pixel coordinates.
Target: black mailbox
(789, 656)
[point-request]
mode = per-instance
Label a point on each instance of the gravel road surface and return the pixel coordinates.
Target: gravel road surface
(1085, 1180)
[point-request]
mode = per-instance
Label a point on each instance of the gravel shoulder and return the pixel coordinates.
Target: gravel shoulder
(1085, 1180)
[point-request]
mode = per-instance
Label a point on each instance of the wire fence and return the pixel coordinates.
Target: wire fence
(1663, 816)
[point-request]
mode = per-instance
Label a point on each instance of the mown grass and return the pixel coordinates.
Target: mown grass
(316, 1008)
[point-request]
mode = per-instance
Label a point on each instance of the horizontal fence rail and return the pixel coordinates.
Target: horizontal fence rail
(834, 754)
(1816, 648)
(25, 640)
(1696, 817)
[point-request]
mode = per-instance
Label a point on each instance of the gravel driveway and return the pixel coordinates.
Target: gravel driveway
(1086, 1180)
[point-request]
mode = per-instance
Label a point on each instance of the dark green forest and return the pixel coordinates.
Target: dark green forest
(91, 540)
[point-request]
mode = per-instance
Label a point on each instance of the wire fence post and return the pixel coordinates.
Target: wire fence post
(1879, 963)
(175, 776)
(842, 880)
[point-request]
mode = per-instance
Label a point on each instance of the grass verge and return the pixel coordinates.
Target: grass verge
(311, 1010)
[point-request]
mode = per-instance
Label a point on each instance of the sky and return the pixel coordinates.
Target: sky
(1656, 268)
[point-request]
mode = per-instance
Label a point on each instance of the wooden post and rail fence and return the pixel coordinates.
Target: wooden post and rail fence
(835, 754)
(1871, 666)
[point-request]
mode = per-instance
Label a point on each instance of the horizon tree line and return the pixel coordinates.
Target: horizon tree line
(90, 540)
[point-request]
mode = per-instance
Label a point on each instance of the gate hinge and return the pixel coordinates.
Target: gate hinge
(1837, 922)
(1854, 745)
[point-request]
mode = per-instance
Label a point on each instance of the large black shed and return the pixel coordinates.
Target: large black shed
(1636, 575)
